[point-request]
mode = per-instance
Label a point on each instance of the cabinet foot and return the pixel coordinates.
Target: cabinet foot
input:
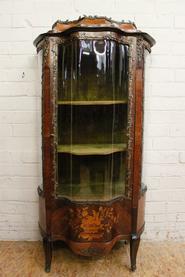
(47, 244)
(134, 244)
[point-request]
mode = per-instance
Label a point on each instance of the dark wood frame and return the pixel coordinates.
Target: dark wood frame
(56, 215)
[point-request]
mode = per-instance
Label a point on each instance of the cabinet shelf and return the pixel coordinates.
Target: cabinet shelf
(92, 149)
(90, 192)
(96, 102)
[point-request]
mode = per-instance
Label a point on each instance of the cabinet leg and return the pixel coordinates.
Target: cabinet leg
(47, 244)
(134, 244)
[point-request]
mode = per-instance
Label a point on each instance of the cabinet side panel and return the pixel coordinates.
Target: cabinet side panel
(141, 213)
(138, 136)
(48, 131)
(42, 214)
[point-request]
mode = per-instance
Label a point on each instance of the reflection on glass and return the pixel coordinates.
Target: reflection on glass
(93, 70)
(92, 119)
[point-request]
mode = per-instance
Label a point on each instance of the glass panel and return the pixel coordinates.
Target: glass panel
(92, 119)
(91, 177)
(95, 124)
(91, 70)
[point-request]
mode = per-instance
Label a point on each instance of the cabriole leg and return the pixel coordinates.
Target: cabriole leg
(47, 244)
(134, 244)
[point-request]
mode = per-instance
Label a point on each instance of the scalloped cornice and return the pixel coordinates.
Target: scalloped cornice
(93, 22)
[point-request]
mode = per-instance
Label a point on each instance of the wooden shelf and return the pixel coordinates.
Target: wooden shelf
(82, 192)
(92, 149)
(99, 102)
(90, 197)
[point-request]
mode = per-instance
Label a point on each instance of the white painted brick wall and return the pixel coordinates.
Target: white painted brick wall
(164, 136)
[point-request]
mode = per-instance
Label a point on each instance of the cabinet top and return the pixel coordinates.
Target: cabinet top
(86, 23)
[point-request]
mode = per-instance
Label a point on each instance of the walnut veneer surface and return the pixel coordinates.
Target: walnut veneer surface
(25, 259)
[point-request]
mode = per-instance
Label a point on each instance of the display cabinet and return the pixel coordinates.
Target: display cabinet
(92, 122)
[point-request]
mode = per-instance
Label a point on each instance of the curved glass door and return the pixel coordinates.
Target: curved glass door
(92, 119)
